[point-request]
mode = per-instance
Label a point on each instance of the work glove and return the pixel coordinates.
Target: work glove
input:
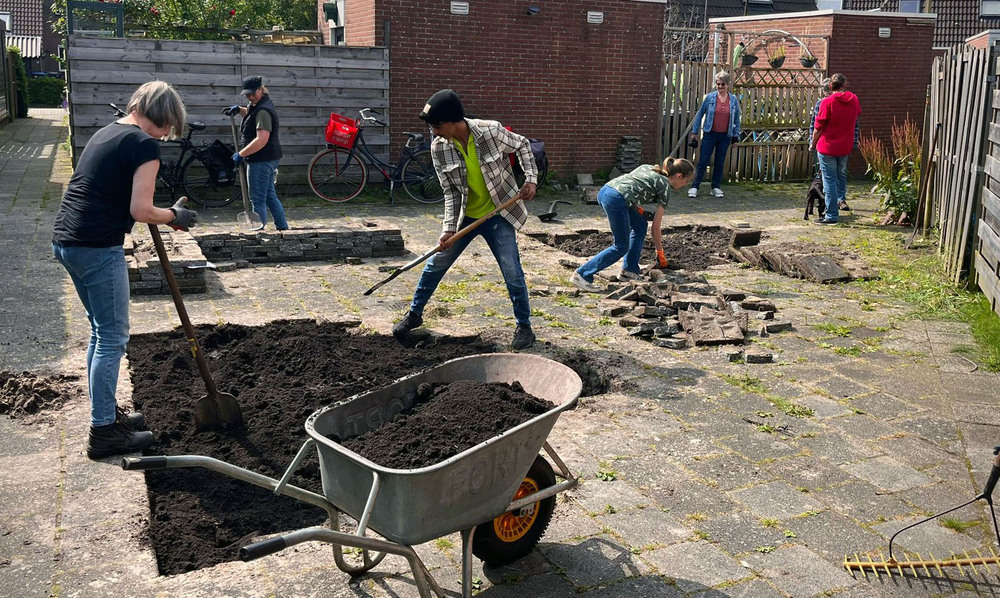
(183, 217)
(693, 142)
(237, 158)
(233, 110)
(661, 259)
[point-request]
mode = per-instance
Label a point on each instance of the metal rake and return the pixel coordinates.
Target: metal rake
(919, 565)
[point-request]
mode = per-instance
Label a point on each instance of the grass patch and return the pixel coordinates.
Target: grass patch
(833, 329)
(566, 300)
(985, 326)
(957, 524)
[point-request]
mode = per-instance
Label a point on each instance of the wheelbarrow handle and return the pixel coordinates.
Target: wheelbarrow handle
(144, 463)
(263, 548)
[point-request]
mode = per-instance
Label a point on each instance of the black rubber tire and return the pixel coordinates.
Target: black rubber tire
(494, 550)
(336, 175)
(543, 173)
(420, 181)
(199, 188)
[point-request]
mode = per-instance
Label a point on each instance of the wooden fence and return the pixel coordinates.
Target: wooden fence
(306, 82)
(8, 100)
(960, 99)
(775, 104)
(987, 250)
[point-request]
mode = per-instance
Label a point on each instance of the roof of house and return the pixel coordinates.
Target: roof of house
(693, 12)
(957, 20)
(25, 16)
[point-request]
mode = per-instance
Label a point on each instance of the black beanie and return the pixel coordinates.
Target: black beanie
(443, 107)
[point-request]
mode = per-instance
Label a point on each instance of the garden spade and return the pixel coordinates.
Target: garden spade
(442, 246)
(247, 217)
(217, 409)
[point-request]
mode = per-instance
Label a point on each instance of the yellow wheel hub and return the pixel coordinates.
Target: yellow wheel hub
(510, 527)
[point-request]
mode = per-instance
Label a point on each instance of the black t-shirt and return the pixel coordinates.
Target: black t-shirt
(95, 208)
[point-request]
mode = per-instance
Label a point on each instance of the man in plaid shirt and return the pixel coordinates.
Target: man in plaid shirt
(471, 160)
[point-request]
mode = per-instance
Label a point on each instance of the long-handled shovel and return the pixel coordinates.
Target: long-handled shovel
(442, 246)
(247, 217)
(217, 409)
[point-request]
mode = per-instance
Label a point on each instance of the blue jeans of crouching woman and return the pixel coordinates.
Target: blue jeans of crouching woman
(501, 237)
(628, 228)
(101, 280)
(260, 178)
(834, 171)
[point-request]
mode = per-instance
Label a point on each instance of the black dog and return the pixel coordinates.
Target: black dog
(815, 197)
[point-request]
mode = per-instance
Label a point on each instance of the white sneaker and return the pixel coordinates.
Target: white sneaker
(717, 192)
(693, 192)
(580, 283)
(626, 275)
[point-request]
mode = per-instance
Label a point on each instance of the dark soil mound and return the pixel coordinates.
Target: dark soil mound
(446, 420)
(28, 394)
(280, 373)
(686, 247)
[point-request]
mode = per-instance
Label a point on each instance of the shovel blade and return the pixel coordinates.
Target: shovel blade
(219, 412)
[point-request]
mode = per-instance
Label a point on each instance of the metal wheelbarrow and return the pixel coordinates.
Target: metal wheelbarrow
(499, 494)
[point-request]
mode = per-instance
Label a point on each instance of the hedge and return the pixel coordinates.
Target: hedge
(45, 92)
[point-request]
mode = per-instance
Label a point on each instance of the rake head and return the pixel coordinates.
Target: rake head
(916, 566)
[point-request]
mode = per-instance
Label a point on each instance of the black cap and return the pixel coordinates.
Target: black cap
(444, 107)
(251, 84)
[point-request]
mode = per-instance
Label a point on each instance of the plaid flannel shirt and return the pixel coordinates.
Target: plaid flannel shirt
(493, 143)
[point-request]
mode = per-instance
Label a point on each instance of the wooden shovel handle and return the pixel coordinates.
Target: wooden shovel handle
(472, 225)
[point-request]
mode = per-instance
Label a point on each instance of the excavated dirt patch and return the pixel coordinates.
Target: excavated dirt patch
(693, 247)
(280, 373)
(30, 397)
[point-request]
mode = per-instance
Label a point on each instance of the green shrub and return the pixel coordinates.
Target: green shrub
(20, 80)
(45, 92)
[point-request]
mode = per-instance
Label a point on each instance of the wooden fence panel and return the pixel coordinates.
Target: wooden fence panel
(306, 82)
(986, 257)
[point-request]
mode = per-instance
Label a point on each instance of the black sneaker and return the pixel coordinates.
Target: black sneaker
(408, 323)
(133, 421)
(115, 439)
(844, 207)
(825, 221)
(523, 337)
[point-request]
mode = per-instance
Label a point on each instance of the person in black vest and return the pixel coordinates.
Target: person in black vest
(261, 150)
(111, 189)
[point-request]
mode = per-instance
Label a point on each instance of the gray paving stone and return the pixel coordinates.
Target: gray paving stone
(915, 451)
(888, 474)
(595, 495)
(690, 498)
(837, 448)
(776, 500)
(806, 473)
(823, 407)
(755, 588)
(728, 471)
(757, 446)
(862, 427)
(641, 586)
(640, 528)
(696, 565)
(800, 572)
(738, 533)
(928, 538)
(832, 535)
(863, 502)
(882, 406)
(840, 387)
(598, 560)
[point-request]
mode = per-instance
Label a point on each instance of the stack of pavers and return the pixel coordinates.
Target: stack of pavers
(629, 153)
(802, 260)
(303, 245)
(145, 272)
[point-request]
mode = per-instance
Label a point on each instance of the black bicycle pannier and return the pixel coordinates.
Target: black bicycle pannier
(219, 161)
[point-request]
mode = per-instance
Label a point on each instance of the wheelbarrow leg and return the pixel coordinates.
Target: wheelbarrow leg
(467, 535)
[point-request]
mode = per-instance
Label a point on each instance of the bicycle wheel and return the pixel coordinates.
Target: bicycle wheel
(420, 180)
(337, 175)
(201, 189)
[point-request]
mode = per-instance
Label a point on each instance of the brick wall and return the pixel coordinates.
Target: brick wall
(579, 87)
(359, 23)
(889, 75)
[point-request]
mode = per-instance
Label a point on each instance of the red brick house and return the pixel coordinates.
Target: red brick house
(29, 27)
(956, 21)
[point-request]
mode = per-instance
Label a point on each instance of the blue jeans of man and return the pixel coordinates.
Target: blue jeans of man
(501, 237)
(834, 171)
(717, 143)
(628, 228)
(101, 280)
(260, 177)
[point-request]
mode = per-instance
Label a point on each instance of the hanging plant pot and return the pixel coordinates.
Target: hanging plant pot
(808, 62)
(748, 59)
(776, 62)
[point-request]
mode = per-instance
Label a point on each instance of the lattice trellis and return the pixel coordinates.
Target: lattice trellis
(95, 18)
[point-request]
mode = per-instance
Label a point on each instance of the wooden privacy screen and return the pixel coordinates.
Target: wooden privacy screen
(306, 83)
(987, 255)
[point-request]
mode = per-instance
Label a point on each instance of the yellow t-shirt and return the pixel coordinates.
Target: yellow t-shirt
(479, 203)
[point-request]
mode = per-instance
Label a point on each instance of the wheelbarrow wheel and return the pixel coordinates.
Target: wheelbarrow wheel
(512, 535)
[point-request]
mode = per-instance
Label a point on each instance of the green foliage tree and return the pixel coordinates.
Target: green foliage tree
(20, 80)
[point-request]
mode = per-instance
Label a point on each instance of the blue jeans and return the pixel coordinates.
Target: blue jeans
(719, 144)
(628, 228)
(502, 239)
(834, 171)
(101, 280)
(260, 177)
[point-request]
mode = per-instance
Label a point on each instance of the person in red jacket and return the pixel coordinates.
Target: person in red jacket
(834, 140)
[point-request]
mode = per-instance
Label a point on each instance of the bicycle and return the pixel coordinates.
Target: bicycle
(339, 174)
(199, 174)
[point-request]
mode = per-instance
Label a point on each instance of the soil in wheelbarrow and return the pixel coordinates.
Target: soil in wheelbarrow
(690, 247)
(280, 373)
(446, 420)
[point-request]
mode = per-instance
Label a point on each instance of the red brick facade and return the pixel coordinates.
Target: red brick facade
(578, 86)
(890, 75)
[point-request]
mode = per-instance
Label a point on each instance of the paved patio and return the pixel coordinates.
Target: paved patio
(694, 482)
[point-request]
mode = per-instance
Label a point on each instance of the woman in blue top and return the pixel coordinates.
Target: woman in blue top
(621, 198)
(719, 120)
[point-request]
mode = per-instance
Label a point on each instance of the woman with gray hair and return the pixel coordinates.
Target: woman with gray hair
(719, 120)
(110, 190)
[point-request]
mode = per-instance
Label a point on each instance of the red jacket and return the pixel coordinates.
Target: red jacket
(835, 124)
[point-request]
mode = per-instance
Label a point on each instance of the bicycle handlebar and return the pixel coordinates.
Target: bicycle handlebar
(364, 116)
(118, 111)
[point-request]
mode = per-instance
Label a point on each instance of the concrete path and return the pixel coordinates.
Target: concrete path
(695, 482)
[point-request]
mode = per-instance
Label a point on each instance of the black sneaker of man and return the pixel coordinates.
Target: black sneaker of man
(408, 323)
(825, 221)
(523, 337)
(116, 439)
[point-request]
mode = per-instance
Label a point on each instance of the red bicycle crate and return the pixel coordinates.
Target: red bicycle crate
(341, 131)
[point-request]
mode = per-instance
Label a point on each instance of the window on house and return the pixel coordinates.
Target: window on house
(909, 5)
(990, 8)
(830, 4)
(761, 1)
(334, 12)
(5, 17)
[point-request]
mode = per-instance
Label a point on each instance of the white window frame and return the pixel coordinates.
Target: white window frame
(8, 21)
(994, 8)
